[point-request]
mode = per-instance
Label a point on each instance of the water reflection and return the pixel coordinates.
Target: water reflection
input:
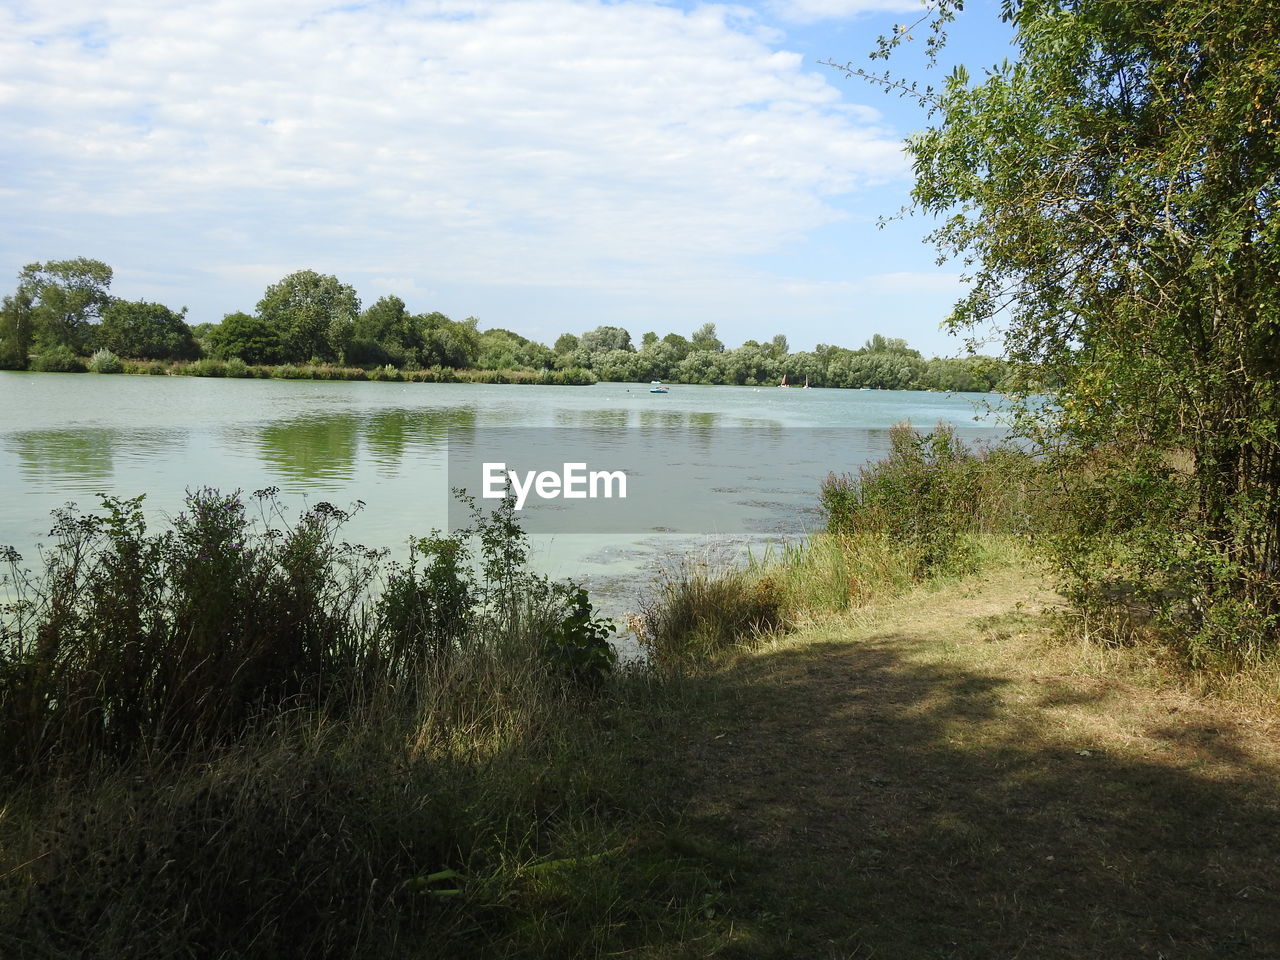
(700, 422)
(599, 419)
(304, 451)
(389, 432)
(327, 450)
(59, 456)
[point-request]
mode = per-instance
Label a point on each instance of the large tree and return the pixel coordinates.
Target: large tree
(68, 297)
(1114, 190)
(17, 329)
(250, 338)
(603, 339)
(312, 314)
(150, 331)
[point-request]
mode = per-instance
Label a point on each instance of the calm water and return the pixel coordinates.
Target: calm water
(71, 437)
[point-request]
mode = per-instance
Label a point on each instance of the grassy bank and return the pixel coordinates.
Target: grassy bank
(946, 775)
(106, 363)
(240, 738)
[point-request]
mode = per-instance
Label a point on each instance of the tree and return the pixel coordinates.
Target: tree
(17, 329)
(313, 315)
(680, 347)
(565, 343)
(704, 338)
(603, 339)
(146, 331)
(68, 297)
(250, 338)
(882, 344)
(1115, 191)
(448, 343)
(384, 333)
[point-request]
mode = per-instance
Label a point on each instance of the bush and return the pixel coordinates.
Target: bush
(695, 611)
(58, 359)
(154, 368)
(1136, 562)
(929, 495)
(235, 367)
(129, 639)
(104, 361)
(204, 367)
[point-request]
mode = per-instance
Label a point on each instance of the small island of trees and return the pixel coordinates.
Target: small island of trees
(63, 318)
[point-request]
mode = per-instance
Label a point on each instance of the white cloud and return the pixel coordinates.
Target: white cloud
(555, 142)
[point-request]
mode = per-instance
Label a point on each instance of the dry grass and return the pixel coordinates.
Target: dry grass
(945, 777)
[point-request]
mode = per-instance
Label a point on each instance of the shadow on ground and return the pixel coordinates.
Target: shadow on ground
(893, 809)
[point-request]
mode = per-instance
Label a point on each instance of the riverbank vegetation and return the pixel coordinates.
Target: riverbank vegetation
(246, 737)
(62, 318)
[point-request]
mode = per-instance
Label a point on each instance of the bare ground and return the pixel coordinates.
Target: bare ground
(942, 779)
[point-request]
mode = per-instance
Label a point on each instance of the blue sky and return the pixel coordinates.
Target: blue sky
(544, 165)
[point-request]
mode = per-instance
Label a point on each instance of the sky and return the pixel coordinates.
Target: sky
(544, 165)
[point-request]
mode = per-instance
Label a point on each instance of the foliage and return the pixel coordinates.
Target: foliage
(694, 611)
(578, 646)
(205, 367)
(249, 338)
(104, 361)
(17, 329)
(929, 495)
(313, 315)
(128, 640)
(1114, 190)
(504, 350)
(66, 298)
(704, 338)
(59, 359)
(603, 339)
(146, 331)
(307, 326)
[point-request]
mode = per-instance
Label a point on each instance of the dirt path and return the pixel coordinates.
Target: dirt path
(944, 782)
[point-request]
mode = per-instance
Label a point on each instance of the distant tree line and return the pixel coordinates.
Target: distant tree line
(63, 311)
(885, 363)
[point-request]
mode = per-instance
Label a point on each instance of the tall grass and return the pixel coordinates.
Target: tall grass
(920, 512)
(930, 496)
(245, 737)
(128, 640)
(696, 610)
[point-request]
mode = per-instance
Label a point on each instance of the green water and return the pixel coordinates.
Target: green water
(72, 437)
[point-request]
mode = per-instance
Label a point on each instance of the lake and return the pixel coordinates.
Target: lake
(726, 462)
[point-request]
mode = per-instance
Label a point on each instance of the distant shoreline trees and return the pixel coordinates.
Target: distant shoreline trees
(62, 311)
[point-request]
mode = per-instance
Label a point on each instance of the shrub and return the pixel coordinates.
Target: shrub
(1123, 531)
(155, 368)
(235, 367)
(129, 639)
(929, 495)
(205, 367)
(58, 359)
(104, 361)
(694, 611)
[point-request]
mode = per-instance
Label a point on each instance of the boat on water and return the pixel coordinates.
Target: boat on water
(657, 386)
(784, 381)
